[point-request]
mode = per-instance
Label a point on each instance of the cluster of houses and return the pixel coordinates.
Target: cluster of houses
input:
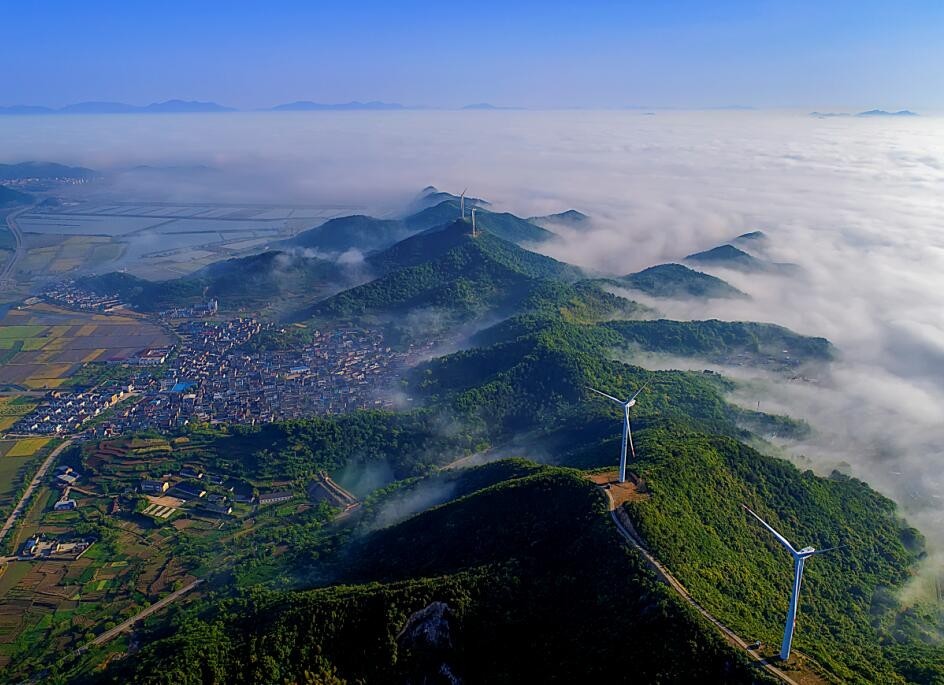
(211, 493)
(203, 309)
(68, 294)
(337, 372)
(41, 547)
(212, 379)
(66, 412)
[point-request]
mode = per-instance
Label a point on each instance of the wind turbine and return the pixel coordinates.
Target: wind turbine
(627, 430)
(799, 559)
(473, 223)
(462, 204)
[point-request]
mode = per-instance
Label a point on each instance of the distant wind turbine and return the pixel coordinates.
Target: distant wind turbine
(473, 222)
(627, 429)
(462, 204)
(799, 559)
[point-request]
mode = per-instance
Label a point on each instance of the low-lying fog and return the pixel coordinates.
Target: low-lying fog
(858, 203)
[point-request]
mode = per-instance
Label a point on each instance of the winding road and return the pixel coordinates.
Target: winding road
(17, 240)
(21, 506)
(629, 534)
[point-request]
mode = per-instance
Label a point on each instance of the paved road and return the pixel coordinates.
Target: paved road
(37, 478)
(127, 625)
(18, 242)
(629, 534)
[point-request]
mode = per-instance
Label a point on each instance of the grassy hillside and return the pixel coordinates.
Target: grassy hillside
(499, 560)
(679, 282)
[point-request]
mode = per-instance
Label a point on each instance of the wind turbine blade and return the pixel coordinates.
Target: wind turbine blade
(629, 434)
(638, 391)
(610, 397)
(829, 549)
(777, 535)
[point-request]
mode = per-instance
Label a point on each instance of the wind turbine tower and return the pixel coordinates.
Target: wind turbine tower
(474, 234)
(627, 429)
(799, 560)
(462, 205)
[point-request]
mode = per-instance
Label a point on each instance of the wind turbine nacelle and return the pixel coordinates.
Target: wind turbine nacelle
(806, 551)
(631, 403)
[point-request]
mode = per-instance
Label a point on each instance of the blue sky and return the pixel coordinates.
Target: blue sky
(825, 54)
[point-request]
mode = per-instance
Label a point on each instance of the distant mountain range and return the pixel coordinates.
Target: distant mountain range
(166, 107)
(308, 106)
(869, 113)
(27, 170)
(192, 106)
(487, 106)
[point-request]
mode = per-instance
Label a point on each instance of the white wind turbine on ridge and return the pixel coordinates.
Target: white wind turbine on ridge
(799, 560)
(627, 428)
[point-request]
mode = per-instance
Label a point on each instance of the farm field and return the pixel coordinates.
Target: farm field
(61, 604)
(57, 255)
(12, 407)
(152, 240)
(16, 455)
(42, 345)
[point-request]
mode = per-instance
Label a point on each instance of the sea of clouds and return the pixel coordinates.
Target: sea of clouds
(857, 203)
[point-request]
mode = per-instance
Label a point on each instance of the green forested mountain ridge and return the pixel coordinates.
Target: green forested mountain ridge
(537, 382)
(849, 619)
(368, 234)
(43, 170)
(570, 218)
(431, 195)
(252, 281)
(677, 281)
(363, 233)
(496, 563)
(726, 341)
(503, 224)
(731, 257)
(450, 271)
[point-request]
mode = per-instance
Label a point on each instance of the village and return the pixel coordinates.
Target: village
(209, 377)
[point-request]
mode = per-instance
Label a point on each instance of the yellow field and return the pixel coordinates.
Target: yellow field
(93, 355)
(43, 383)
(27, 447)
(87, 329)
(10, 413)
(33, 344)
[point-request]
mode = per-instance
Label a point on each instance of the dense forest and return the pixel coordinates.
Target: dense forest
(471, 588)
(678, 282)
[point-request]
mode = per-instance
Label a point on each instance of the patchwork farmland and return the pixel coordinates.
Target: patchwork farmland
(42, 345)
